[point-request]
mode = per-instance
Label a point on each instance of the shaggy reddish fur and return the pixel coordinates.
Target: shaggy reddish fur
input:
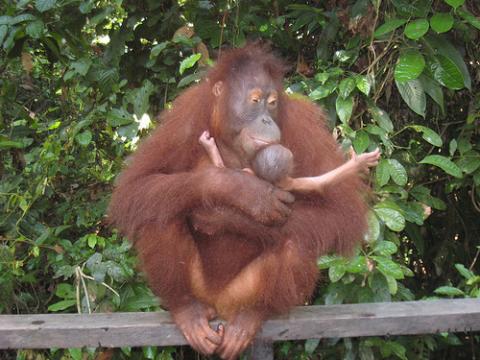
(165, 186)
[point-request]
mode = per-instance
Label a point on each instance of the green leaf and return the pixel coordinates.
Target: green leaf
(388, 267)
(361, 141)
(466, 273)
(416, 29)
(392, 284)
(75, 353)
(189, 62)
(441, 22)
(382, 173)
(428, 135)
(346, 87)
(392, 218)
(397, 172)
(344, 108)
(364, 83)
(413, 94)
(385, 248)
(469, 162)
(373, 227)
(447, 73)
(325, 261)
(434, 90)
(416, 8)
(62, 305)
(449, 291)
(389, 26)
(65, 291)
(81, 66)
(452, 147)
(381, 118)
(441, 46)
(336, 272)
(35, 29)
(44, 5)
(311, 345)
(443, 163)
(3, 33)
(409, 66)
(471, 19)
(157, 49)
(323, 90)
(357, 265)
(119, 117)
(84, 137)
(455, 3)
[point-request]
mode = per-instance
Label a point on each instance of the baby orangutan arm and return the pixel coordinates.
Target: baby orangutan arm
(357, 164)
(208, 143)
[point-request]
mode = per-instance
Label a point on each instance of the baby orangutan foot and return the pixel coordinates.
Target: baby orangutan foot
(238, 334)
(192, 321)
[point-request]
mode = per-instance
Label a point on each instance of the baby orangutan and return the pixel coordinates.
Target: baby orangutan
(274, 163)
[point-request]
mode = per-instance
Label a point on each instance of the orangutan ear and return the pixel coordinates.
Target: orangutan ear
(217, 88)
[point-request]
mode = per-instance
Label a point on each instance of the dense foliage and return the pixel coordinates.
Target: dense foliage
(81, 81)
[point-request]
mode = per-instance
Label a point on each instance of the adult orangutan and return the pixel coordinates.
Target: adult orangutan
(219, 241)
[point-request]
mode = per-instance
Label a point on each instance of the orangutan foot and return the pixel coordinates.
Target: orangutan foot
(238, 334)
(192, 321)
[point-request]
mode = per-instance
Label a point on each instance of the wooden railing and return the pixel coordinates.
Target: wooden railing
(157, 329)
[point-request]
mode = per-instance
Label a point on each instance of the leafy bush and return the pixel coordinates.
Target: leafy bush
(82, 80)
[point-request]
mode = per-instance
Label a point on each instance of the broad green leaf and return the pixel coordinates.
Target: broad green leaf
(455, 3)
(84, 138)
(187, 80)
(389, 26)
(344, 108)
(157, 49)
(449, 291)
(447, 73)
(466, 273)
(469, 162)
(189, 62)
(422, 194)
(5, 20)
(373, 227)
(471, 19)
(442, 46)
(44, 5)
(364, 84)
(119, 117)
(361, 141)
(35, 29)
(388, 267)
(413, 94)
(392, 218)
(416, 29)
(22, 18)
(412, 211)
(392, 284)
(428, 135)
(397, 172)
(336, 272)
(452, 147)
(311, 345)
(325, 261)
(75, 353)
(441, 22)
(409, 66)
(416, 8)
(385, 248)
(3, 33)
(381, 118)
(357, 265)
(81, 66)
(323, 90)
(443, 163)
(382, 172)
(62, 305)
(346, 87)
(434, 90)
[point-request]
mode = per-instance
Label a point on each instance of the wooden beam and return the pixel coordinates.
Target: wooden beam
(141, 329)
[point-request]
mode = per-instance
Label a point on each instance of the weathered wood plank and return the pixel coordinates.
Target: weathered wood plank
(140, 329)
